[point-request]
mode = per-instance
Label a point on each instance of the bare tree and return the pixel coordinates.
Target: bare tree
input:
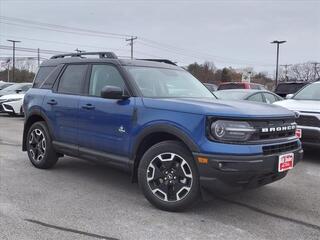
(303, 72)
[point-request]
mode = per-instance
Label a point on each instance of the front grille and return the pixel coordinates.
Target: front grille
(1, 108)
(259, 135)
(280, 148)
(311, 121)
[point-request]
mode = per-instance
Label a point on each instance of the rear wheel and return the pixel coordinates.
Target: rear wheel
(168, 176)
(39, 146)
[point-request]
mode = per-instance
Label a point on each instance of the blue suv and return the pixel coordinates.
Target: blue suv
(159, 123)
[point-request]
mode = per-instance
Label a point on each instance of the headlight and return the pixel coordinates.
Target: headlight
(13, 99)
(232, 131)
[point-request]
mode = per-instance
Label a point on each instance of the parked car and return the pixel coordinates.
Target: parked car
(285, 88)
(262, 96)
(12, 104)
(16, 88)
(211, 87)
(240, 85)
(3, 85)
(158, 122)
(307, 103)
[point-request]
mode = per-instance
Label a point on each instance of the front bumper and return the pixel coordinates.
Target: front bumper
(310, 135)
(230, 173)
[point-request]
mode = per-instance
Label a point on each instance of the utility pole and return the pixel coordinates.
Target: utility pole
(8, 69)
(277, 66)
(286, 70)
(315, 70)
(13, 56)
(38, 57)
(131, 44)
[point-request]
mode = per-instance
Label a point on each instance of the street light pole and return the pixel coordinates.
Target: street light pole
(277, 66)
(13, 56)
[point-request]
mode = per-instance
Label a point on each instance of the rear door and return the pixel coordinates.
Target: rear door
(105, 124)
(61, 105)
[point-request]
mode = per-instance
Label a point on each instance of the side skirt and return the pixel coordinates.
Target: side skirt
(113, 160)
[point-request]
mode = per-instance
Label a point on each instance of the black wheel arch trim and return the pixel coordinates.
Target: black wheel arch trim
(32, 113)
(159, 128)
(165, 128)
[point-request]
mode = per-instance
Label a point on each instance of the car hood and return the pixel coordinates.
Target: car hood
(213, 107)
(300, 105)
(11, 96)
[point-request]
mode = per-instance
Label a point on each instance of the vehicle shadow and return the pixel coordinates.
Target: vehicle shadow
(242, 210)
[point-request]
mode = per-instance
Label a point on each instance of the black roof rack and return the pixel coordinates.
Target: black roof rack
(100, 54)
(158, 60)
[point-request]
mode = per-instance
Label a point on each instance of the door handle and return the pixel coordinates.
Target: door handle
(52, 102)
(88, 106)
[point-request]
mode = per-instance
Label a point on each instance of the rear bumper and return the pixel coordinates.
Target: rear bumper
(227, 174)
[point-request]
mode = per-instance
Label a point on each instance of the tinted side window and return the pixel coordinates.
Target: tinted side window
(103, 75)
(50, 80)
(42, 74)
(72, 79)
(256, 98)
(270, 98)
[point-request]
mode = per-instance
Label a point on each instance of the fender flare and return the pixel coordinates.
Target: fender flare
(165, 128)
(31, 113)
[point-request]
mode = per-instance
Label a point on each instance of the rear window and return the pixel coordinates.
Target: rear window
(289, 88)
(42, 74)
(231, 86)
(255, 86)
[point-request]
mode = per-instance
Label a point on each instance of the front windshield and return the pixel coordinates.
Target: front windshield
(14, 87)
(168, 83)
(230, 95)
(11, 88)
(310, 92)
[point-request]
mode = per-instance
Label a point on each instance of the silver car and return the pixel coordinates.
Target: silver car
(307, 103)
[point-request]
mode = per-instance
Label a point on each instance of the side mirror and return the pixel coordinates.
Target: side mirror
(18, 90)
(289, 96)
(113, 92)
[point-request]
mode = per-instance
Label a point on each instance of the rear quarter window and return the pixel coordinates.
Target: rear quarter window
(42, 75)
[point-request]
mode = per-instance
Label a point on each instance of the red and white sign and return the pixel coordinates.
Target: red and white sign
(298, 133)
(285, 162)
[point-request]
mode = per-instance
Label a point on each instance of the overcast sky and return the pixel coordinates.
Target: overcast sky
(229, 33)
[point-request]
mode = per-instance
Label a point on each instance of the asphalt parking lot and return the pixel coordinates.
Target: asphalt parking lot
(82, 200)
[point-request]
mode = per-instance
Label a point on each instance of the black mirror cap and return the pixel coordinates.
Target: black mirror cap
(113, 92)
(18, 90)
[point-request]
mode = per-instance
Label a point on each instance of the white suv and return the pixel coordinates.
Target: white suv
(307, 103)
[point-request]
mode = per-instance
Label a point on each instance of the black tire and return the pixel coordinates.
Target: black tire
(41, 154)
(183, 189)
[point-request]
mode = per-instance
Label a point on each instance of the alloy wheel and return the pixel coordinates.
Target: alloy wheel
(169, 177)
(37, 145)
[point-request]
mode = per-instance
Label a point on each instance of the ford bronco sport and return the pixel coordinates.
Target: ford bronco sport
(156, 121)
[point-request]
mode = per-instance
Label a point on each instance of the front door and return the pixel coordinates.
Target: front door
(105, 124)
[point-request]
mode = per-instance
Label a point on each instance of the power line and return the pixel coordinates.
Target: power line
(32, 22)
(151, 43)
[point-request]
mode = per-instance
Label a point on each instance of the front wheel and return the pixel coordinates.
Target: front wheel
(168, 176)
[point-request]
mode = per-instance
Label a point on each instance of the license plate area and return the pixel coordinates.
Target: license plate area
(285, 162)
